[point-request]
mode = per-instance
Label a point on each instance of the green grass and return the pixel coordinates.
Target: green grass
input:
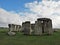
(20, 39)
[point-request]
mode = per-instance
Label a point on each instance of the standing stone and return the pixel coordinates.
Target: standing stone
(32, 28)
(23, 26)
(44, 29)
(49, 27)
(38, 28)
(27, 28)
(14, 27)
(43, 26)
(18, 28)
(10, 27)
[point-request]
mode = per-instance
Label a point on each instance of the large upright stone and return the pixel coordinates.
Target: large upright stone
(14, 27)
(11, 27)
(23, 27)
(49, 27)
(43, 26)
(18, 28)
(27, 28)
(32, 28)
(38, 28)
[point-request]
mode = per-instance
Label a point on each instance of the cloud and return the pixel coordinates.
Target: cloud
(8, 18)
(48, 9)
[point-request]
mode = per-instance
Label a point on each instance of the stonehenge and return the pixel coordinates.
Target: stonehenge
(43, 26)
(13, 27)
(32, 28)
(40, 27)
(26, 27)
(11, 33)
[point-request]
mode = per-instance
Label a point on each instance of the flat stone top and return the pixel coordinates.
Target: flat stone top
(10, 24)
(14, 24)
(44, 19)
(27, 22)
(32, 24)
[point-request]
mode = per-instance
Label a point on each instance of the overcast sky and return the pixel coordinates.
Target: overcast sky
(18, 11)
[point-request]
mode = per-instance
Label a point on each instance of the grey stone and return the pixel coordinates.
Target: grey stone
(11, 33)
(40, 27)
(26, 27)
(43, 26)
(14, 27)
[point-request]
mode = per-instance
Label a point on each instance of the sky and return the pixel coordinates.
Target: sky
(16, 5)
(18, 11)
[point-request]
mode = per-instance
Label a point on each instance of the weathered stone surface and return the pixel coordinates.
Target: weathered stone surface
(32, 28)
(18, 28)
(49, 27)
(10, 27)
(14, 27)
(42, 26)
(38, 28)
(26, 27)
(23, 26)
(11, 33)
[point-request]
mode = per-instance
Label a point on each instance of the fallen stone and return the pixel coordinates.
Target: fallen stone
(11, 33)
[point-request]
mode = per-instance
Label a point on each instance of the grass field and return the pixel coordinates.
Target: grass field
(21, 39)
